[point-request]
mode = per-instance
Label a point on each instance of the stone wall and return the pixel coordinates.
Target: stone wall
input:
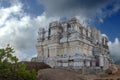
(69, 44)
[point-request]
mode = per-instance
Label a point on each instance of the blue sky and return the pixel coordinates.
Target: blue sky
(111, 26)
(21, 19)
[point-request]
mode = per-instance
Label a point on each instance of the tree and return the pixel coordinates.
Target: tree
(6, 55)
(10, 69)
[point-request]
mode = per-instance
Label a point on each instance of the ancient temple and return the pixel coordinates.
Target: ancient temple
(68, 44)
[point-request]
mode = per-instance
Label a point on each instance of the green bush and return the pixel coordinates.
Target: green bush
(10, 69)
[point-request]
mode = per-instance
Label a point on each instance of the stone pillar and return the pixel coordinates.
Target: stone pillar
(101, 60)
(46, 52)
(40, 51)
(87, 63)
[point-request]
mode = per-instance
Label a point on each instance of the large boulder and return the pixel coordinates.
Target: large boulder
(59, 74)
(112, 70)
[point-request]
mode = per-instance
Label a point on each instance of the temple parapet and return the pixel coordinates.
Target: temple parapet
(68, 43)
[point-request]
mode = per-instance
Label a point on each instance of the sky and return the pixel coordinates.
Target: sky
(21, 19)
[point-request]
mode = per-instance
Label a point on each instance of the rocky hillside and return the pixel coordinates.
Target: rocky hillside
(35, 65)
(58, 74)
(62, 74)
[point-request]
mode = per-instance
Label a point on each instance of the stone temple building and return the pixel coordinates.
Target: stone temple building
(68, 44)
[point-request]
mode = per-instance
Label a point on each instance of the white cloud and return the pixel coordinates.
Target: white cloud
(6, 12)
(20, 30)
(115, 49)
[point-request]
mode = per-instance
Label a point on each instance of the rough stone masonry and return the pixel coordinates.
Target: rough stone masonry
(68, 44)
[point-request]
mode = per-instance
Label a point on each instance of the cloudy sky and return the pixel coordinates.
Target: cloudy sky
(20, 20)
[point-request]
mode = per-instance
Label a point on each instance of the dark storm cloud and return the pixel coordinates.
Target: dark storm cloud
(84, 8)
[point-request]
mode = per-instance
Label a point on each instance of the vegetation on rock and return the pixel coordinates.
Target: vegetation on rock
(10, 69)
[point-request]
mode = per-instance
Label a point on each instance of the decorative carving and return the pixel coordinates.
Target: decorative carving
(80, 45)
